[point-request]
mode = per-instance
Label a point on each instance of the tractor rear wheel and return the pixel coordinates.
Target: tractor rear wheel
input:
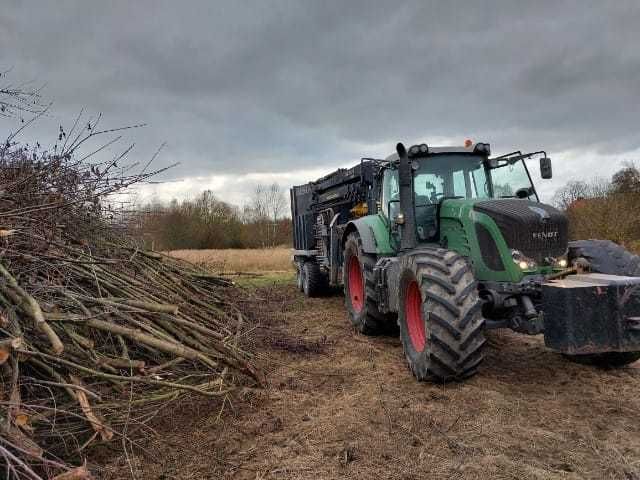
(314, 281)
(610, 258)
(359, 289)
(440, 315)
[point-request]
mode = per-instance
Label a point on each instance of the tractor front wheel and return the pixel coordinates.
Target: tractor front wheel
(605, 256)
(440, 317)
(606, 359)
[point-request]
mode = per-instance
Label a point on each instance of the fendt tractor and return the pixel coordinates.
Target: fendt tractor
(445, 243)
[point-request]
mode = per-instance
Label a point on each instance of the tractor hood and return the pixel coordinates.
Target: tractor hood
(539, 231)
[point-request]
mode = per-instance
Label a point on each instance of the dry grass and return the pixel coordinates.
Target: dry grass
(276, 259)
(341, 405)
(634, 246)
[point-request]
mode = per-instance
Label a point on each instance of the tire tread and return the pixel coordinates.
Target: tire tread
(452, 309)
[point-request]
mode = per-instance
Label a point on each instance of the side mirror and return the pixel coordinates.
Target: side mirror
(545, 168)
(524, 193)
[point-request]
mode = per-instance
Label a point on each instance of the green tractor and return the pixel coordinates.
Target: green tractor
(444, 243)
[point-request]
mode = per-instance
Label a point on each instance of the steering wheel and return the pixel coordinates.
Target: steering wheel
(435, 197)
(524, 192)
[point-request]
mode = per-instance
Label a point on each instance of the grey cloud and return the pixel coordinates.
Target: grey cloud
(280, 85)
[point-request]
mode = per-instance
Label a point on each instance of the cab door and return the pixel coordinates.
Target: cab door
(390, 205)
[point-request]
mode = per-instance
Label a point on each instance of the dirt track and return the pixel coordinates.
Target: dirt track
(345, 406)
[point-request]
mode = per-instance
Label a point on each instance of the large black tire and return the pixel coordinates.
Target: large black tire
(314, 281)
(605, 256)
(440, 315)
(359, 289)
(610, 258)
(606, 360)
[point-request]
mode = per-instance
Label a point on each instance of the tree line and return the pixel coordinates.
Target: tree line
(604, 208)
(597, 208)
(208, 222)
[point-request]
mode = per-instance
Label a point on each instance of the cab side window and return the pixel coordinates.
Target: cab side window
(390, 193)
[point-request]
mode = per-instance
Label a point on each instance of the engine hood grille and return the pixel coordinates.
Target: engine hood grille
(537, 230)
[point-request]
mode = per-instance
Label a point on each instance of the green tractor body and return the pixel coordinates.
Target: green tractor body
(459, 224)
(448, 242)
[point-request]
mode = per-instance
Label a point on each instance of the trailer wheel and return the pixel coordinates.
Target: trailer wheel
(610, 258)
(300, 276)
(440, 315)
(359, 289)
(314, 281)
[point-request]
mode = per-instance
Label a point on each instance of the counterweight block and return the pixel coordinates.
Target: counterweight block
(591, 314)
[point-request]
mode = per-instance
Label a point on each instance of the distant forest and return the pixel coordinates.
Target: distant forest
(604, 208)
(597, 208)
(208, 222)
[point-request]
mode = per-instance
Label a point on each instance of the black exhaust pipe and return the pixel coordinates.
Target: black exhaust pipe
(408, 239)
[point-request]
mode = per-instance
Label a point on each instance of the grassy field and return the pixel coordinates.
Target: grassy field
(248, 260)
(247, 267)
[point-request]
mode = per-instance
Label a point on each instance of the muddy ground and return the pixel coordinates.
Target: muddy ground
(341, 405)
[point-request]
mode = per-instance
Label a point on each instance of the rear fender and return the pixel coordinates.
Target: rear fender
(373, 232)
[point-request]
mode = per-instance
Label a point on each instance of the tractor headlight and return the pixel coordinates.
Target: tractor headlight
(561, 262)
(523, 262)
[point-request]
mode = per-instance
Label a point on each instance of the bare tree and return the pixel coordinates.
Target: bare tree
(578, 190)
(269, 201)
(627, 179)
(18, 98)
(267, 206)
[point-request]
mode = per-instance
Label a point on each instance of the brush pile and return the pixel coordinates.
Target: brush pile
(96, 335)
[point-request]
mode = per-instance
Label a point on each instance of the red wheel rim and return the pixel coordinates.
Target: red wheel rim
(356, 285)
(413, 315)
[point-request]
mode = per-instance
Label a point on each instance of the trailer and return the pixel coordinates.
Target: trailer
(320, 210)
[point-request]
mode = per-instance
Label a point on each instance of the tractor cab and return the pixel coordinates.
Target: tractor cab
(449, 173)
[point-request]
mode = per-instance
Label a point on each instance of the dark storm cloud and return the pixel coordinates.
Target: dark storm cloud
(275, 86)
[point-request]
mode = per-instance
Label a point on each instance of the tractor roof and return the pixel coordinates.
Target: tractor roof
(434, 150)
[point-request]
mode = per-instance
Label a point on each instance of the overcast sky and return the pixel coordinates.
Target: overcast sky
(246, 92)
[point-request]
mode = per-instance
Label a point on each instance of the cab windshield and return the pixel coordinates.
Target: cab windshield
(450, 175)
(446, 176)
(454, 175)
(512, 180)
(468, 176)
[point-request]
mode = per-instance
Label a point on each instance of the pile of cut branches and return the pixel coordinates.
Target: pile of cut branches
(96, 335)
